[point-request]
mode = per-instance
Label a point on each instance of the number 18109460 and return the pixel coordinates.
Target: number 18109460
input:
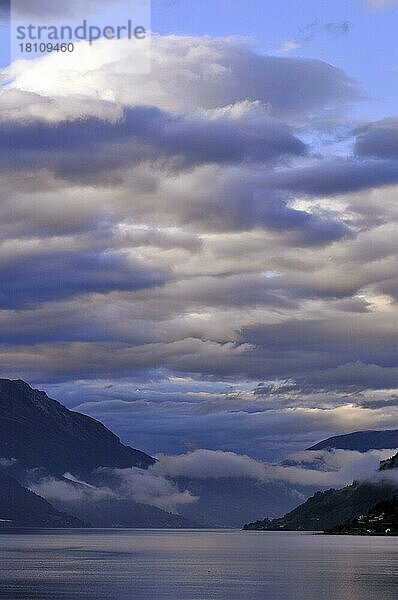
(45, 47)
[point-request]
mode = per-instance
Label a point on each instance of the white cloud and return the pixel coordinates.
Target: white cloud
(69, 489)
(322, 468)
(290, 45)
(213, 464)
(335, 468)
(151, 488)
(187, 73)
(157, 486)
(133, 484)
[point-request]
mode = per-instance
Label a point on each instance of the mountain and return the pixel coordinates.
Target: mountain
(332, 508)
(39, 432)
(382, 519)
(227, 502)
(122, 512)
(20, 507)
(328, 509)
(362, 441)
(390, 463)
(42, 440)
(216, 502)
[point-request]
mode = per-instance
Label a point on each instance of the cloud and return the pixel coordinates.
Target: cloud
(336, 177)
(124, 484)
(313, 30)
(149, 488)
(335, 468)
(232, 200)
(378, 140)
(388, 476)
(69, 489)
(42, 275)
(163, 484)
(209, 464)
(188, 73)
(171, 241)
(163, 418)
(21, 105)
(323, 468)
(80, 149)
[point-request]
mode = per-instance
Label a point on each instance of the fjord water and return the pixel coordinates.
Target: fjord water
(195, 565)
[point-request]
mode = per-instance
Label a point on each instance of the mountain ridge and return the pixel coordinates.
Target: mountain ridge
(362, 441)
(334, 507)
(39, 439)
(382, 519)
(74, 442)
(20, 507)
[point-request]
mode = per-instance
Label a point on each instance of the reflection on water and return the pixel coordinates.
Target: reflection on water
(195, 565)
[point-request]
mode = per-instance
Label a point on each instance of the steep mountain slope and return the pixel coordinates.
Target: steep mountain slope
(327, 509)
(40, 439)
(382, 519)
(40, 432)
(20, 507)
(362, 441)
(390, 463)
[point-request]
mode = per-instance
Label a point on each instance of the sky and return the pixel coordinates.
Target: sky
(204, 257)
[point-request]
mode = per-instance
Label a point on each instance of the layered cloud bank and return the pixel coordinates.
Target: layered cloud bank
(323, 468)
(164, 484)
(203, 256)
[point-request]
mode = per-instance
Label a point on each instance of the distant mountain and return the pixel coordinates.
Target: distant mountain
(227, 502)
(382, 519)
(20, 507)
(40, 432)
(362, 441)
(329, 509)
(122, 512)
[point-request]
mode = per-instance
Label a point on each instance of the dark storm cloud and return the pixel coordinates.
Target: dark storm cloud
(214, 200)
(51, 276)
(62, 324)
(355, 353)
(381, 403)
(336, 177)
(91, 145)
(354, 356)
(260, 434)
(309, 228)
(164, 415)
(247, 207)
(378, 140)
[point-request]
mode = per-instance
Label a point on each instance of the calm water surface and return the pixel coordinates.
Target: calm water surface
(195, 565)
